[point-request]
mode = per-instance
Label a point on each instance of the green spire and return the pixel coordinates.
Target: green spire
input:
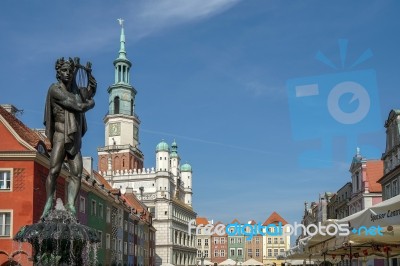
(122, 52)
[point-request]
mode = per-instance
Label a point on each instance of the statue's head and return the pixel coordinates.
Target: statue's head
(61, 63)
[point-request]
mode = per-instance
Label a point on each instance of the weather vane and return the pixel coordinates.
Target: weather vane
(121, 22)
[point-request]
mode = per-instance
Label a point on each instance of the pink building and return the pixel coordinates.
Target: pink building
(366, 191)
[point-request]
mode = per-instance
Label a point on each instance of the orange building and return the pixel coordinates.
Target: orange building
(23, 172)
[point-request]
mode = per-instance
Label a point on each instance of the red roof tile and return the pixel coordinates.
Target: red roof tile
(235, 221)
(374, 173)
(275, 218)
(30, 136)
(201, 220)
(102, 181)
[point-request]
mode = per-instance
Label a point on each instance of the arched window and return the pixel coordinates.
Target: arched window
(116, 105)
(131, 106)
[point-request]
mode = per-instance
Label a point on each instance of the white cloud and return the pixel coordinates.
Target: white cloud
(93, 28)
(153, 16)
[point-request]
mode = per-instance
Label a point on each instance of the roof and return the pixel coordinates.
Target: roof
(275, 218)
(215, 231)
(201, 220)
(235, 221)
(374, 173)
(252, 222)
(186, 168)
(101, 180)
(134, 202)
(162, 146)
(28, 135)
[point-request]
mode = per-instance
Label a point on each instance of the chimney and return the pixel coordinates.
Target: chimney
(129, 190)
(88, 164)
(11, 109)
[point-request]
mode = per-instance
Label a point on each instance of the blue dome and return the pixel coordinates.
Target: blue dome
(173, 154)
(186, 168)
(162, 146)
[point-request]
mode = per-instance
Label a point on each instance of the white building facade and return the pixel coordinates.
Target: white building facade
(166, 188)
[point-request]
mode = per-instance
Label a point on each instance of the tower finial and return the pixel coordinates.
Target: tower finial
(121, 22)
(122, 52)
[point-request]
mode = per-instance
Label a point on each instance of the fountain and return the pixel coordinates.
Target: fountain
(59, 239)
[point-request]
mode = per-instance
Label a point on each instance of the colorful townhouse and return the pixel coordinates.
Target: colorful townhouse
(364, 178)
(219, 246)
(23, 172)
(390, 180)
(275, 244)
(236, 244)
(203, 240)
(253, 244)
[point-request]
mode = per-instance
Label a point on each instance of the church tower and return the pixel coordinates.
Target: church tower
(121, 148)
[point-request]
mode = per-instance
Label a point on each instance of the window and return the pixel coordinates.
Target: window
(206, 253)
(269, 240)
(82, 204)
(395, 188)
(108, 215)
(232, 252)
(269, 252)
(216, 253)
(275, 240)
(126, 225)
(125, 248)
(275, 252)
(257, 252)
(387, 191)
(101, 210)
(93, 209)
(5, 180)
(114, 244)
(5, 224)
(100, 234)
(249, 252)
(281, 240)
(257, 240)
(222, 239)
(222, 252)
(119, 245)
(216, 240)
(116, 105)
(206, 242)
(282, 251)
(239, 240)
(199, 242)
(199, 253)
(232, 240)
(240, 252)
(107, 241)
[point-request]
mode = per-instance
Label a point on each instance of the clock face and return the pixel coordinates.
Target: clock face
(126, 96)
(115, 129)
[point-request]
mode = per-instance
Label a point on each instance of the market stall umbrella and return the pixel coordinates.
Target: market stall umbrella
(252, 262)
(228, 262)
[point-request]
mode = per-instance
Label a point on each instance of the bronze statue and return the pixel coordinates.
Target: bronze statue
(64, 118)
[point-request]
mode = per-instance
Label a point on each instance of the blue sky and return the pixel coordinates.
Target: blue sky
(214, 76)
